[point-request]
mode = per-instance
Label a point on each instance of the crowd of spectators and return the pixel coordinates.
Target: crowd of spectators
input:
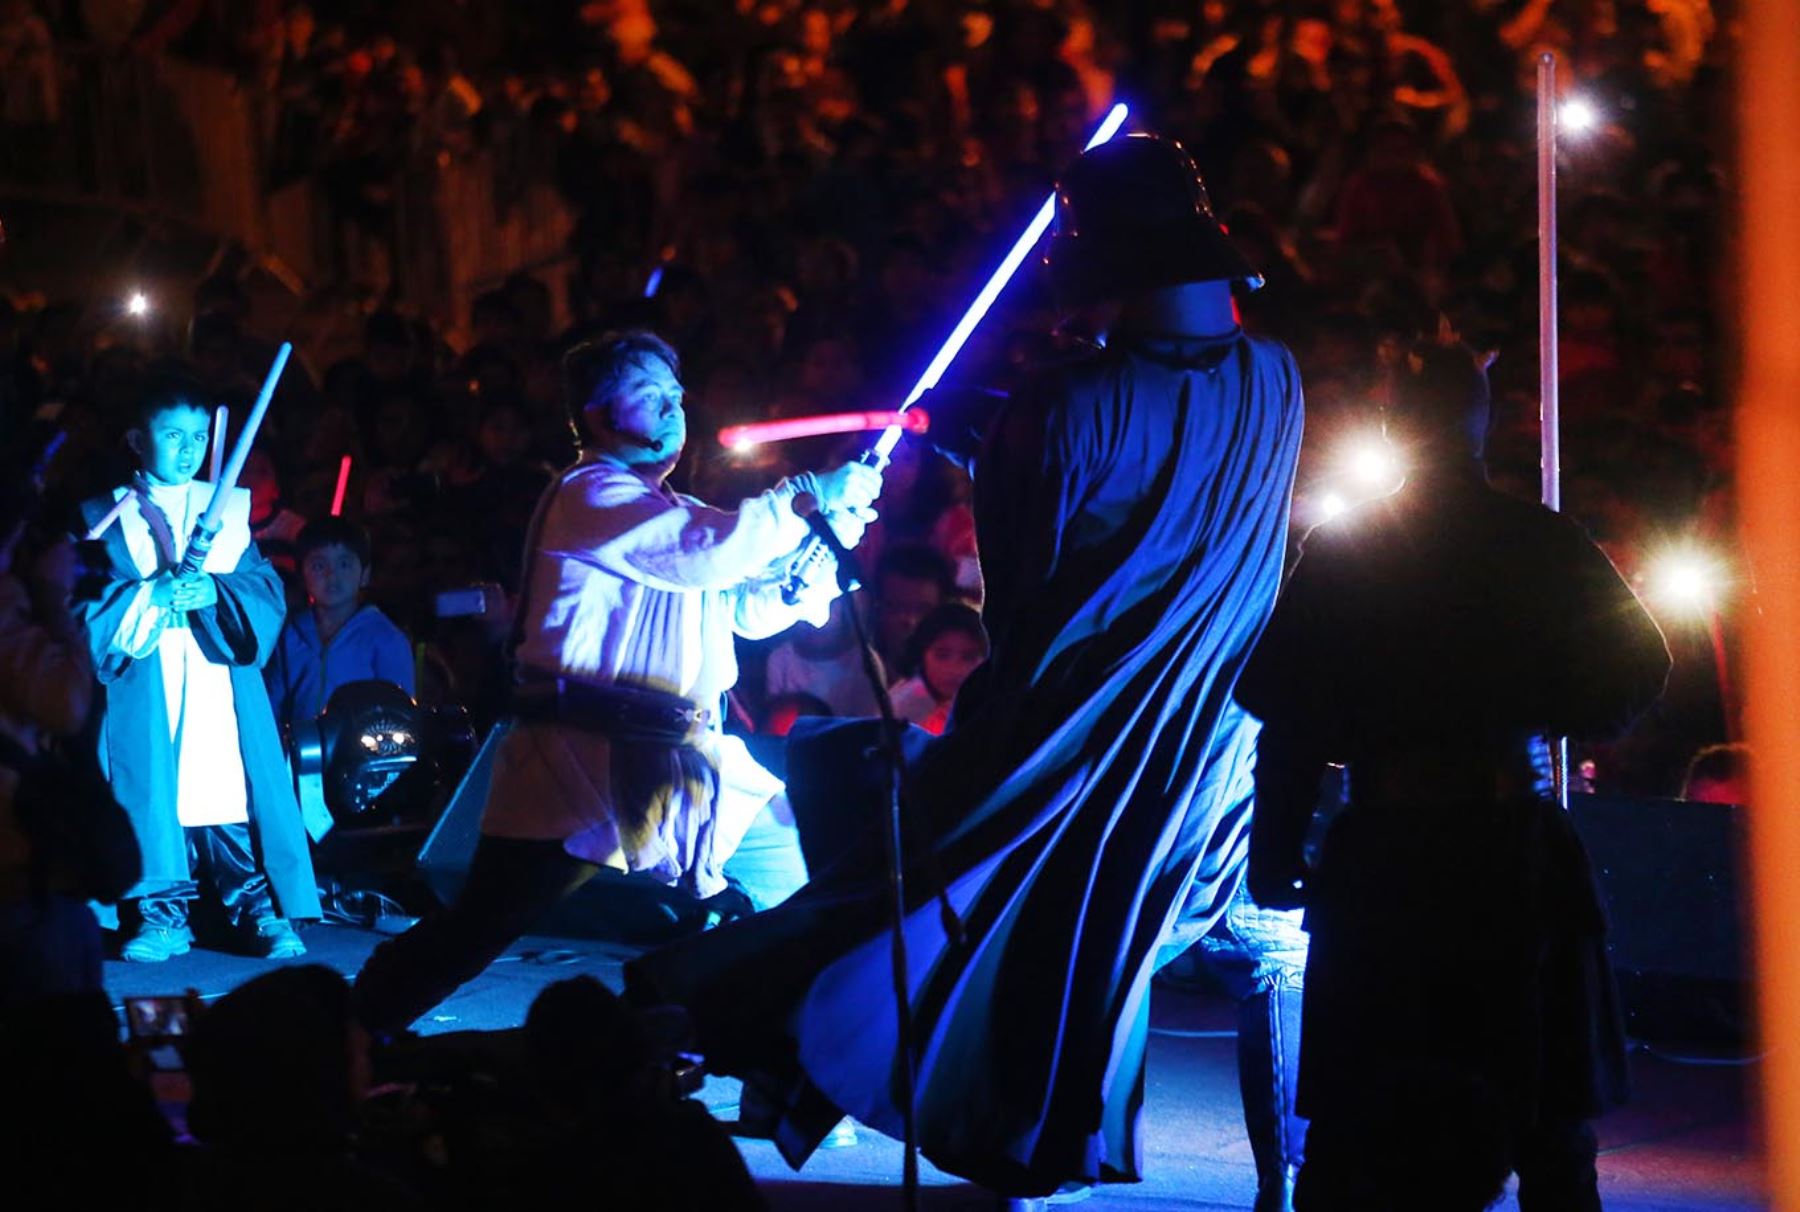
(273, 1097)
(800, 196)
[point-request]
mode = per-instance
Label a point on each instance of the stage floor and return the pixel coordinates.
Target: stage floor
(1686, 1143)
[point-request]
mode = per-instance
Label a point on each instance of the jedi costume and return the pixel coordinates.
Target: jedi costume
(187, 738)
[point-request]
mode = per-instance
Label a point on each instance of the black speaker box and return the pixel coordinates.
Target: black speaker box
(1670, 871)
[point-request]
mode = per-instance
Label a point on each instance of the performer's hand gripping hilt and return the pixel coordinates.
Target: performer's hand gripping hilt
(813, 553)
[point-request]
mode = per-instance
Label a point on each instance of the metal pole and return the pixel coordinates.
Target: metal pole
(1768, 450)
(1549, 401)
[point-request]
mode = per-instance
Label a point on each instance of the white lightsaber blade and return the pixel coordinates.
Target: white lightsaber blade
(200, 542)
(217, 453)
(1549, 384)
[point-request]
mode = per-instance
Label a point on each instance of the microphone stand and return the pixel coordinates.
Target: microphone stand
(893, 847)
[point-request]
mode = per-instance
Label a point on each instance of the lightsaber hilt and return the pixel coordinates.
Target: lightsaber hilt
(810, 559)
(198, 546)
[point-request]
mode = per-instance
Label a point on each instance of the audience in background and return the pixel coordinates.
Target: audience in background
(802, 195)
(339, 638)
(945, 648)
(911, 581)
(1719, 774)
(826, 663)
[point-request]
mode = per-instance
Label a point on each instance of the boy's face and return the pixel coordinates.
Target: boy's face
(333, 575)
(171, 444)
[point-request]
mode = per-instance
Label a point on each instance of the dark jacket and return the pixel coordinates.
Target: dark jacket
(1456, 927)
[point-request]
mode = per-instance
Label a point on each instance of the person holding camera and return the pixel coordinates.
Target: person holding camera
(187, 737)
(613, 754)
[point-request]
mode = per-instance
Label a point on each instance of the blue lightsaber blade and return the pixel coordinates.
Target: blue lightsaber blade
(812, 551)
(965, 327)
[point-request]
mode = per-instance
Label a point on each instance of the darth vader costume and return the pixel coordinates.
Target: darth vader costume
(1131, 510)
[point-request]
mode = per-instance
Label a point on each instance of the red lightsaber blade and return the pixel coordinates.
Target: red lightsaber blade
(343, 483)
(743, 437)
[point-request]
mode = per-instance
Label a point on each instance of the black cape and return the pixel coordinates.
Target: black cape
(1132, 518)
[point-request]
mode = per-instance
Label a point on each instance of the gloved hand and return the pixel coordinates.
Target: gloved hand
(849, 524)
(850, 487)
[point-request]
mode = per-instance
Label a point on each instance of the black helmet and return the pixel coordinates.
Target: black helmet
(1132, 215)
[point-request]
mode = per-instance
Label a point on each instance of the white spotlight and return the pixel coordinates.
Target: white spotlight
(1685, 580)
(1331, 505)
(138, 304)
(1577, 115)
(1371, 460)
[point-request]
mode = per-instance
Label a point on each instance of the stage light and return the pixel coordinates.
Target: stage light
(1578, 115)
(1686, 580)
(1371, 462)
(137, 304)
(1331, 505)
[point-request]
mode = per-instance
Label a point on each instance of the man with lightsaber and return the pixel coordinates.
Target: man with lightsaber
(1132, 514)
(613, 753)
(189, 613)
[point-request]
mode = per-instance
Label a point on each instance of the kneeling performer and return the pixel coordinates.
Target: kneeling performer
(613, 754)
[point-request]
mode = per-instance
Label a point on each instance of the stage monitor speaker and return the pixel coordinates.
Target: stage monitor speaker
(1669, 871)
(613, 906)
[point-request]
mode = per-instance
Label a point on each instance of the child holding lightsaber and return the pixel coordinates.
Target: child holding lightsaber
(189, 613)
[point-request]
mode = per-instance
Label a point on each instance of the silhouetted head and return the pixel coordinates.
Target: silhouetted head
(1133, 216)
(278, 1063)
(1440, 406)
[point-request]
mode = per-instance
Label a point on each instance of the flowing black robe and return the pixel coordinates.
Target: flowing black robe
(1132, 518)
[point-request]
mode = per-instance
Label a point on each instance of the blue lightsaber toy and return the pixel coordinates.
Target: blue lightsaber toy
(812, 552)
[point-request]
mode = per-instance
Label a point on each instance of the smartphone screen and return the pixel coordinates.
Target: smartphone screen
(150, 1018)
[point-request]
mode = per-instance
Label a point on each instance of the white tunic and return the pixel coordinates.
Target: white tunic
(211, 788)
(629, 581)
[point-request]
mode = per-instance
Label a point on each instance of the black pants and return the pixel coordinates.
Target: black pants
(222, 857)
(512, 883)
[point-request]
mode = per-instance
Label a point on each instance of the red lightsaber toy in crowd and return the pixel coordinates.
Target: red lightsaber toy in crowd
(343, 483)
(743, 437)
